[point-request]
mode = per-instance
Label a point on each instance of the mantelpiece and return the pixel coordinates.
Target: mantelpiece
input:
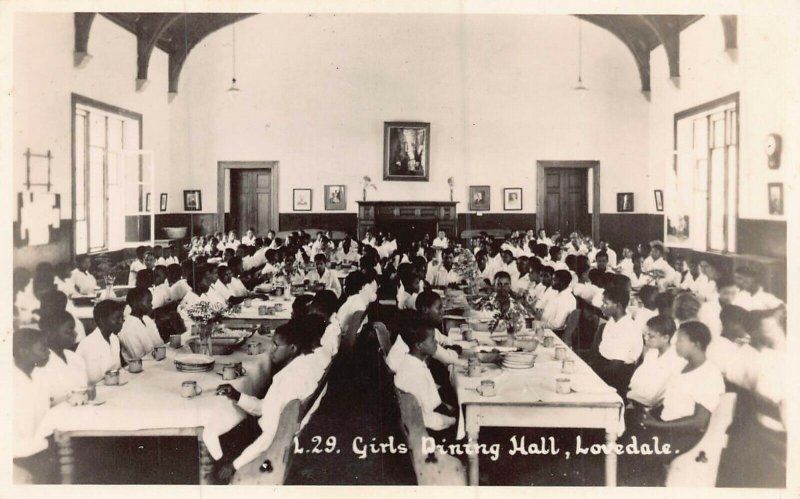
(427, 216)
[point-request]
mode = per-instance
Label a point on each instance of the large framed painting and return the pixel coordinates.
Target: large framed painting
(335, 197)
(406, 150)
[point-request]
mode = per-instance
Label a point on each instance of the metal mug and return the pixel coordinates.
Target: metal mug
(563, 386)
(263, 310)
(468, 335)
(112, 377)
(135, 366)
(549, 342)
(229, 372)
(160, 352)
(91, 390)
(474, 369)
(561, 352)
(568, 366)
(189, 389)
(175, 341)
(253, 348)
(486, 388)
(78, 397)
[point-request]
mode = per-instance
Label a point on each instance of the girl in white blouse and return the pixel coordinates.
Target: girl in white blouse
(66, 370)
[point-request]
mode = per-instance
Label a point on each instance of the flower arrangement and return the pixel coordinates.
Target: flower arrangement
(366, 183)
(507, 310)
(465, 265)
(205, 312)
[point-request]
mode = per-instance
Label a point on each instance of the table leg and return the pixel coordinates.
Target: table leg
(66, 460)
(206, 462)
(611, 460)
(472, 427)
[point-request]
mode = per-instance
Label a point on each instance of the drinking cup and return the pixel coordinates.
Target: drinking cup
(160, 352)
(135, 366)
(112, 377)
(486, 388)
(78, 397)
(189, 389)
(563, 386)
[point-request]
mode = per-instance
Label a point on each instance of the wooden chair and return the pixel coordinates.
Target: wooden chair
(350, 330)
(431, 469)
(384, 337)
(698, 466)
(271, 467)
(571, 327)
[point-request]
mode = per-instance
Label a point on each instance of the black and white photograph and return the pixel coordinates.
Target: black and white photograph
(622, 329)
(512, 199)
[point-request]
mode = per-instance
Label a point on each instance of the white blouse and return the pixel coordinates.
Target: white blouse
(99, 355)
(139, 337)
(414, 377)
(61, 377)
(31, 403)
(703, 385)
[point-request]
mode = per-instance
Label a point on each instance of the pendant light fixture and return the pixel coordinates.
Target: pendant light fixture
(234, 87)
(580, 86)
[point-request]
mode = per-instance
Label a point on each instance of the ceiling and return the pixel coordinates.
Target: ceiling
(178, 33)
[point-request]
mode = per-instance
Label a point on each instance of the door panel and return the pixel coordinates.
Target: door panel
(566, 206)
(251, 200)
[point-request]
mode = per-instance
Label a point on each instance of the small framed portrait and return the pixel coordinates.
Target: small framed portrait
(147, 203)
(512, 199)
(335, 197)
(406, 150)
(192, 201)
(775, 193)
(624, 202)
(301, 199)
(659, 194)
(479, 197)
(163, 204)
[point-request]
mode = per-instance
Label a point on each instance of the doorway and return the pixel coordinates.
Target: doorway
(566, 189)
(248, 191)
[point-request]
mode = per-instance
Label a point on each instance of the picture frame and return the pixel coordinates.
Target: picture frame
(335, 197)
(624, 202)
(512, 199)
(163, 202)
(301, 199)
(192, 200)
(659, 197)
(406, 151)
(775, 198)
(480, 198)
(147, 202)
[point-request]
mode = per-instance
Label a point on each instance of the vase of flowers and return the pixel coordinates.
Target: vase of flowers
(205, 315)
(366, 183)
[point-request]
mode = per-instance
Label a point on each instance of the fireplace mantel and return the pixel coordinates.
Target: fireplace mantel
(442, 213)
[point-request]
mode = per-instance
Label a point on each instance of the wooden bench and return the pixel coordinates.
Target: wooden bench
(698, 467)
(436, 468)
(271, 467)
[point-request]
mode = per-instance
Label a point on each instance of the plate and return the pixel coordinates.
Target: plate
(122, 382)
(514, 368)
(194, 359)
(97, 402)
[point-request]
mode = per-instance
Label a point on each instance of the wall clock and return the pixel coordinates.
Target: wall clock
(773, 149)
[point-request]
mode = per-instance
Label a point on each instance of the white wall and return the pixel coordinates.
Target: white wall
(44, 78)
(763, 74)
(496, 89)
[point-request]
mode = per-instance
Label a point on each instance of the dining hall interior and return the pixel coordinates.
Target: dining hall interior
(331, 247)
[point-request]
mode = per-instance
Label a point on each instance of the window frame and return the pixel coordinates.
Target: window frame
(75, 101)
(697, 111)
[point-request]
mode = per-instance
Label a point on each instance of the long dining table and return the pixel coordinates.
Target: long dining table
(527, 398)
(150, 404)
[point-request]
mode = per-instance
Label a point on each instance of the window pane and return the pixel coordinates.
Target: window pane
(716, 200)
(96, 202)
(718, 124)
(114, 133)
(80, 237)
(701, 136)
(97, 129)
(80, 165)
(733, 172)
(699, 220)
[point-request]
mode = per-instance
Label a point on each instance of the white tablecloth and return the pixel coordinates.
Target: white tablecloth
(152, 399)
(536, 385)
(251, 311)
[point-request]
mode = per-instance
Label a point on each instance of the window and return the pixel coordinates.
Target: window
(702, 182)
(100, 196)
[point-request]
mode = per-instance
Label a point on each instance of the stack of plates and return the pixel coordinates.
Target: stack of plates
(194, 363)
(518, 360)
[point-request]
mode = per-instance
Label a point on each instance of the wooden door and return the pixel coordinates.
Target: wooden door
(251, 200)
(566, 206)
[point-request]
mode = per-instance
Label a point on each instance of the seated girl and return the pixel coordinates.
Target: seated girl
(66, 370)
(139, 334)
(661, 362)
(298, 373)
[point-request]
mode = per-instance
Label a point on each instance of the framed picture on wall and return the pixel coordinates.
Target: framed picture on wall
(147, 202)
(301, 199)
(775, 193)
(192, 200)
(624, 201)
(335, 197)
(406, 150)
(163, 204)
(659, 194)
(479, 199)
(512, 199)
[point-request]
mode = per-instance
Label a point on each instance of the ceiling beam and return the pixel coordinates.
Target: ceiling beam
(83, 25)
(638, 46)
(149, 30)
(729, 28)
(667, 29)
